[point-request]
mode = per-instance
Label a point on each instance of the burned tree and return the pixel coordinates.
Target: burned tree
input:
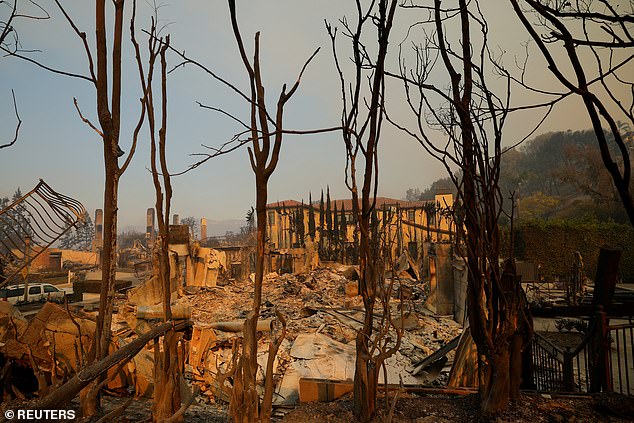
(167, 364)
(343, 233)
(335, 233)
(311, 218)
(327, 230)
(470, 117)
(361, 133)
(596, 39)
(322, 220)
(266, 141)
(107, 84)
(106, 79)
(263, 134)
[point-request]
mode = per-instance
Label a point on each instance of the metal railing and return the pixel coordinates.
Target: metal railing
(32, 223)
(603, 361)
(558, 369)
(622, 357)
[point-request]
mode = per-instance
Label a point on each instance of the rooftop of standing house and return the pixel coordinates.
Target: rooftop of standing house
(347, 203)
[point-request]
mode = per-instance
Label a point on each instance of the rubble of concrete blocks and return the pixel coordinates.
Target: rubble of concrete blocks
(208, 264)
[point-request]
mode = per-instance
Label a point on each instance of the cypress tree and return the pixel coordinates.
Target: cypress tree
(311, 218)
(335, 231)
(328, 218)
(281, 228)
(299, 222)
(322, 231)
(328, 211)
(343, 230)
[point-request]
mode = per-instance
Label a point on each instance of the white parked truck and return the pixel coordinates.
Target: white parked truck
(37, 292)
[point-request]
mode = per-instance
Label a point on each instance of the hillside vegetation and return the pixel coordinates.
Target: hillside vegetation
(557, 175)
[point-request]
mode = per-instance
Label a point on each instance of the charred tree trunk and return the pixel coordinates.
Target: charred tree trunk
(167, 360)
(472, 117)
(109, 116)
(89, 396)
(371, 347)
(366, 371)
(245, 402)
(106, 79)
(496, 388)
(264, 152)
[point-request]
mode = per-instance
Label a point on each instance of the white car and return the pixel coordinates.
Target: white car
(37, 292)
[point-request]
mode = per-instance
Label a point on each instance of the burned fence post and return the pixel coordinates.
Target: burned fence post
(600, 374)
(604, 286)
(607, 272)
(568, 370)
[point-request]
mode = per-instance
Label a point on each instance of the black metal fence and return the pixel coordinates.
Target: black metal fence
(558, 369)
(603, 361)
(622, 357)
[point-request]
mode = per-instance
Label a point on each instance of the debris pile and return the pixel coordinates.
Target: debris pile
(323, 312)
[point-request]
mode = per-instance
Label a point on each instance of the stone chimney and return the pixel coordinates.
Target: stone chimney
(149, 228)
(98, 241)
(203, 229)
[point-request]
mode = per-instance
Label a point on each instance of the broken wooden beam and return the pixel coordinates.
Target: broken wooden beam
(238, 325)
(435, 356)
(325, 390)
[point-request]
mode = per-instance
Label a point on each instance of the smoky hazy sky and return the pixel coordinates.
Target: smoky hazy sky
(57, 146)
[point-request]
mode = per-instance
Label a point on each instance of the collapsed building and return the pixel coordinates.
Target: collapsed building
(330, 230)
(211, 288)
(419, 232)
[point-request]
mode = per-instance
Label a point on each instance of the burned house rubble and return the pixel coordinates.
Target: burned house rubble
(299, 233)
(321, 307)
(212, 290)
(312, 281)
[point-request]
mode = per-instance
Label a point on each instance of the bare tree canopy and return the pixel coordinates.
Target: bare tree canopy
(596, 38)
(362, 116)
(471, 116)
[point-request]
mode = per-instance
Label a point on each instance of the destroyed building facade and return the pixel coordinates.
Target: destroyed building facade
(296, 230)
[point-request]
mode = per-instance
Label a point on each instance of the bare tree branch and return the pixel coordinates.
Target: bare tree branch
(45, 67)
(560, 22)
(85, 120)
(17, 126)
